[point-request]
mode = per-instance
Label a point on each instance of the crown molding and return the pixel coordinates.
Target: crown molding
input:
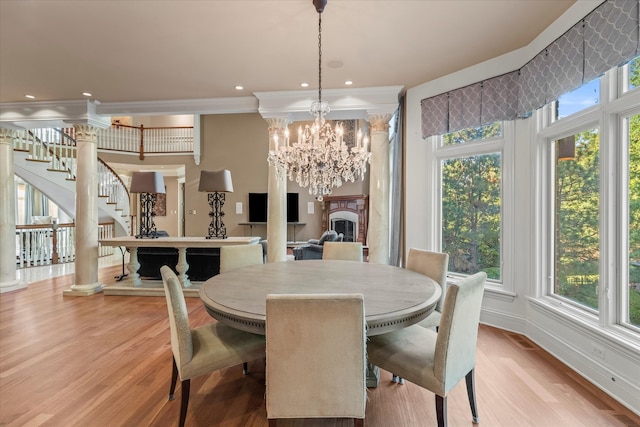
(245, 104)
(45, 114)
(350, 103)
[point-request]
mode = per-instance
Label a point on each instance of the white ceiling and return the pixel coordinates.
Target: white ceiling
(126, 51)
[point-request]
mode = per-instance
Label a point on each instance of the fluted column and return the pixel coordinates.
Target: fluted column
(8, 281)
(86, 264)
(277, 206)
(379, 182)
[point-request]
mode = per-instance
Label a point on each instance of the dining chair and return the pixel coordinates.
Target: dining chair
(347, 251)
(204, 349)
(437, 361)
(233, 257)
(435, 266)
(316, 363)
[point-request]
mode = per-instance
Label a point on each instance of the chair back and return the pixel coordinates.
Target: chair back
(233, 257)
(181, 340)
(347, 251)
(316, 364)
(433, 265)
(455, 353)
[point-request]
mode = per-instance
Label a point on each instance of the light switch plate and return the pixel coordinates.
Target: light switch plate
(239, 208)
(310, 208)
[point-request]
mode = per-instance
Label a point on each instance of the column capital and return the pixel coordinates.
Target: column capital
(379, 122)
(277, 123)
(7, 135)
(86, 132)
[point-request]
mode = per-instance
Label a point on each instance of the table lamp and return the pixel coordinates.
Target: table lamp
(216, 183)
(148, 184)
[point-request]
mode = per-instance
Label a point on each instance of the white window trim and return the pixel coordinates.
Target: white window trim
(607, 116)
(503, 145)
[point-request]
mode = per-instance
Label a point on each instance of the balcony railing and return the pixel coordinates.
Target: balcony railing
(46, 244)
(141, 140)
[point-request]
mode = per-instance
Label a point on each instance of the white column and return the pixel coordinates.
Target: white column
(277, 206)
(86, 264)
(8, 281)
(379, 194)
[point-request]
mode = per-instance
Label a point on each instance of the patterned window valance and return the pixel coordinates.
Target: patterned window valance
(607, 37)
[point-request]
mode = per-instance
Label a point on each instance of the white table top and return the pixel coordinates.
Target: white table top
(394, 297)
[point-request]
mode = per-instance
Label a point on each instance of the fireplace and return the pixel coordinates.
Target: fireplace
(345, 222)
(348, 215)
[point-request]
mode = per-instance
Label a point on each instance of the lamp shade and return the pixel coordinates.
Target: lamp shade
(215, 181)
(147, 182)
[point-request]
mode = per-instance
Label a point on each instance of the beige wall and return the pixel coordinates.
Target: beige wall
(238, 142)
(169, 222)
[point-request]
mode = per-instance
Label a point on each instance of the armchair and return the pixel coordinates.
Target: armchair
(313, 248)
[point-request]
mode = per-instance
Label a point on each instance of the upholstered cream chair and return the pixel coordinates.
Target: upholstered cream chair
(316, 364)
(233, 257)
(347, 251)
(434, 360)
(434, 265)
(204, 349)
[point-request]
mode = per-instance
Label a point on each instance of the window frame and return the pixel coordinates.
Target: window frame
(609, 117)
(502, 145)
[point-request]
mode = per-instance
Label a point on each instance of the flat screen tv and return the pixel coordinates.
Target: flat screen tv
(292, 207)
(258, 207)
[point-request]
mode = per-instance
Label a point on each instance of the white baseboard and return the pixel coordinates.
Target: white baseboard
(503, 320)
(595, 371)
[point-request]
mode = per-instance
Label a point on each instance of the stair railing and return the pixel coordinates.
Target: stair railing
(53, 146)
(111, 186)
(58, 147)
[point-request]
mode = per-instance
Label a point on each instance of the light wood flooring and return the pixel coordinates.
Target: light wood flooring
(105, 361)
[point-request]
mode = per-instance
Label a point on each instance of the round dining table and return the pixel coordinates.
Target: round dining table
(394, 297)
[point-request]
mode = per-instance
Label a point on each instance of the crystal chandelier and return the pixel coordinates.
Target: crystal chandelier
(320, 158)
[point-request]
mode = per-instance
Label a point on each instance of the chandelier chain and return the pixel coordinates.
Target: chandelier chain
(320, 57)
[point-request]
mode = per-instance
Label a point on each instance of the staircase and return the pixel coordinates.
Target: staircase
(46, 159)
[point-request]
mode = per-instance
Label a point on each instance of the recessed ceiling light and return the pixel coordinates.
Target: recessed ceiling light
(30, 96)
(86, 93)
(238, 87)
(304, 84)
(348, 83)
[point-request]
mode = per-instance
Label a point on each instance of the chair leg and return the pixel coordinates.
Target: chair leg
(397, 379)
(441, 410)
(186, 386)
(245, 368)
(174, 379)
(471, 392)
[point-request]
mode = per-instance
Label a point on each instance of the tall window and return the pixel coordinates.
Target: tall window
(631, 134)
(471, 200)
(594, 227)
(632, 294)
(577, 215)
